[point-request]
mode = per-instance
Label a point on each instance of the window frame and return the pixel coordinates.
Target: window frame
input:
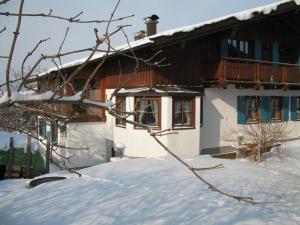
(120, 100)
(147, 98)
(192, 112)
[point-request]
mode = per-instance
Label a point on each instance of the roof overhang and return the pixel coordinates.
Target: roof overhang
(161, 91)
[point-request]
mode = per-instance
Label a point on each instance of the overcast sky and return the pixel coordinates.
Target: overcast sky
(172, 13)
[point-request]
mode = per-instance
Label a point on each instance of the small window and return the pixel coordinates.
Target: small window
(276, 108)
(148, 111)
(183, 112)
(238, 48)
(121, 107)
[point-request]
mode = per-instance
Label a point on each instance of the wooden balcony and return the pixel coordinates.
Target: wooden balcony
(233, 70)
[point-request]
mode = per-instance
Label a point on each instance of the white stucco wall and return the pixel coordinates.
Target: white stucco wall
(140, 144)
(220, 115)
(92, 135)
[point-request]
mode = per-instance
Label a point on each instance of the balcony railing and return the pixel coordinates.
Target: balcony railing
(245, 70)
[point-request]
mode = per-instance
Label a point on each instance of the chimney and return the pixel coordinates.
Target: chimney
(139, 35)
(151, 22)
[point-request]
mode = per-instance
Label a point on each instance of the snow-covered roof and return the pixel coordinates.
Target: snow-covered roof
(132, 45)
(242, 16)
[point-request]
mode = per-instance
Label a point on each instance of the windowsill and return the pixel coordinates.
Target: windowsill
(152, 127)
(121, 126)
(183, 128)
(252, 122)
(271, 121)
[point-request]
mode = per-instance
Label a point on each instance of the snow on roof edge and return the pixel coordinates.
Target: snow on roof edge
(77, 62)
(242, 15)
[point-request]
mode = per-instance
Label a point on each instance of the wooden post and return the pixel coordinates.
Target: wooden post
(11, 157)
(48, 152)
(28, 157)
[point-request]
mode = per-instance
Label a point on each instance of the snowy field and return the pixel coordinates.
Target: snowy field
(161, 191)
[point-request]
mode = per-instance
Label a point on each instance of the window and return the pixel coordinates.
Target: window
(183, 112)
(252, 108)
(276, 108)
(295, 108)
(121, 107)
(148, 111)
(238, 48)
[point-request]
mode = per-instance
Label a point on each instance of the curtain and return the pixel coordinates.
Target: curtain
(153, 114)
(177, 112)
(186, 117)
(142, 111)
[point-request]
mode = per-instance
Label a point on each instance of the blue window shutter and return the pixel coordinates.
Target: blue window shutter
(241, 109)
(258, 49)
(265, 109)
(293, 108)
(224, 48)
(285, 108)
(275, 52)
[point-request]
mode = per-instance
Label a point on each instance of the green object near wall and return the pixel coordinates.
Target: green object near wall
(20, 159)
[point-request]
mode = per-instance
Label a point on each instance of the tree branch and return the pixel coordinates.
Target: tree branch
(16, 33)
(30, 54)
(73, 19)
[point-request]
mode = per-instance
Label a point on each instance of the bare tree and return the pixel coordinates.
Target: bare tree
(38, 104)
(258, 135)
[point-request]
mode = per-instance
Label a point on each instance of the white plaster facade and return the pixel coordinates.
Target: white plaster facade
(219, 129)
(91, 142)
(220, 115)
(140, 144)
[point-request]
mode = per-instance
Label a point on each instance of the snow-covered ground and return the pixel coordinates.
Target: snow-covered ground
(161, 191)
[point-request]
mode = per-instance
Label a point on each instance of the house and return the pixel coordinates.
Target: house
(217, 70)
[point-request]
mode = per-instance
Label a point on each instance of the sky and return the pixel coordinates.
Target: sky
(172, 13)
